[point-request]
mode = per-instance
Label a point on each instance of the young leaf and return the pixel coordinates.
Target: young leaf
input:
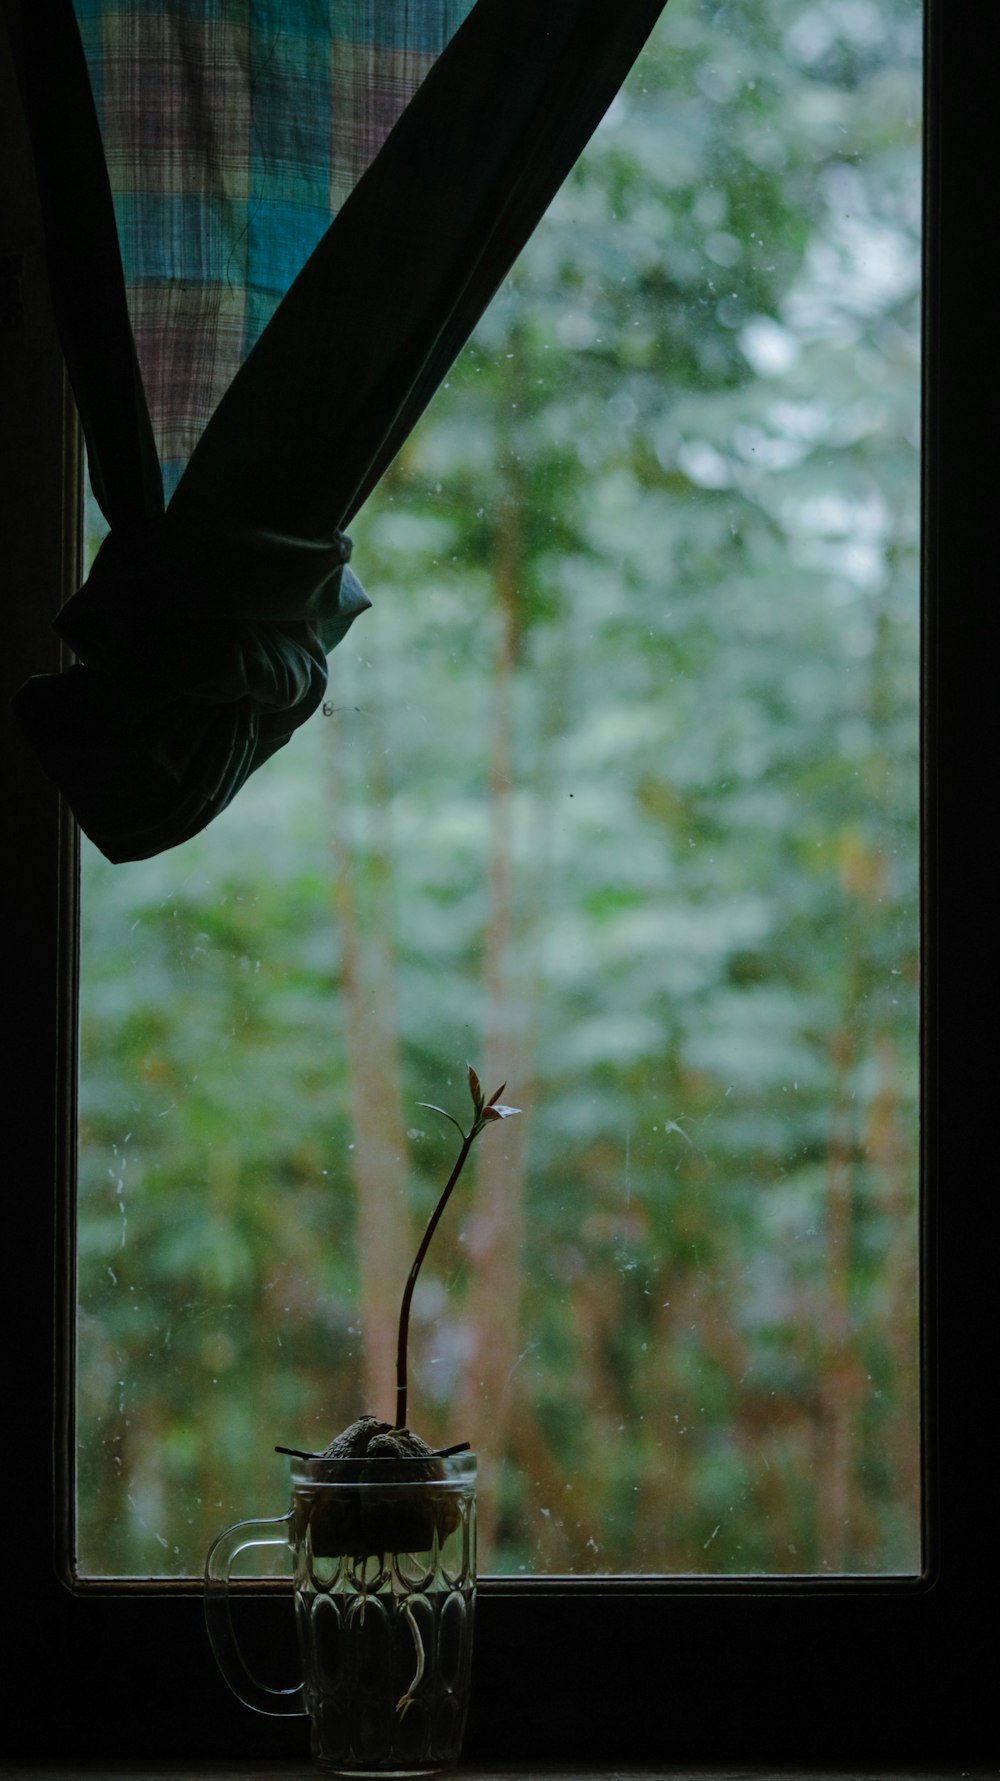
(474, 1089)
(498, 1111)
(432, 1108)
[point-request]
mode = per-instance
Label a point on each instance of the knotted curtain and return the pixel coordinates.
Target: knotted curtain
(217, 323)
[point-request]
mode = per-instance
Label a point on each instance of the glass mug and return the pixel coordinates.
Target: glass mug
(384, 1557)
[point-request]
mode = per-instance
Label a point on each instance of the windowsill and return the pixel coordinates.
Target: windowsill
(283, 1771)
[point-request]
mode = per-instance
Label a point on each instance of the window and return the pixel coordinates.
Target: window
(676, 1672)
(616, 791)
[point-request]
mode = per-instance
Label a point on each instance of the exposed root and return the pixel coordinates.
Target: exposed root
(406, 1700)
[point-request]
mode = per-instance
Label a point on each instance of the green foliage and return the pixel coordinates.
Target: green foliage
(646, 603)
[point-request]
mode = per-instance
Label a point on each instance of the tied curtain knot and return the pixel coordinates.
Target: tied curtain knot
(184, 682)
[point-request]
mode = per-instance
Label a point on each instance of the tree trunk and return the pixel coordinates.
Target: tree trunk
(496, 1225)
(838, 1383)
(379, 1157)
(893, 1160)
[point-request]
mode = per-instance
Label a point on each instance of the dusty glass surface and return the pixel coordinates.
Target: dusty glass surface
(616, 795)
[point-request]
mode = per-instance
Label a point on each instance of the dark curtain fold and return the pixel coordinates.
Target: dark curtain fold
(86, 278)
(202, 631)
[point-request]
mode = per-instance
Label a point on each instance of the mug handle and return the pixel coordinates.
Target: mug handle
(219, 1620)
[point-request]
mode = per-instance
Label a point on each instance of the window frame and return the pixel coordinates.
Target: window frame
(772, 1669)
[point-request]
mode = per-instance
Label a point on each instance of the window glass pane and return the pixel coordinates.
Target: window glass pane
(616, 796)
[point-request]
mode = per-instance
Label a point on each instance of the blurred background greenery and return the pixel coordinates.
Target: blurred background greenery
(615, 795)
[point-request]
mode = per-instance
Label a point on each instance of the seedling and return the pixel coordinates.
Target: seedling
(369, 1438)
(361, 1523)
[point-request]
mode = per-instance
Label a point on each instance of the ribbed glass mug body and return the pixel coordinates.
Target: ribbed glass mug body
(385, 1570)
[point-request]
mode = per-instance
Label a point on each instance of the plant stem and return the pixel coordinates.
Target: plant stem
(404, 1309)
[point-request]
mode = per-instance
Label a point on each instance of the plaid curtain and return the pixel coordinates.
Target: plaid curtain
(233, 132)
(187, 241)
